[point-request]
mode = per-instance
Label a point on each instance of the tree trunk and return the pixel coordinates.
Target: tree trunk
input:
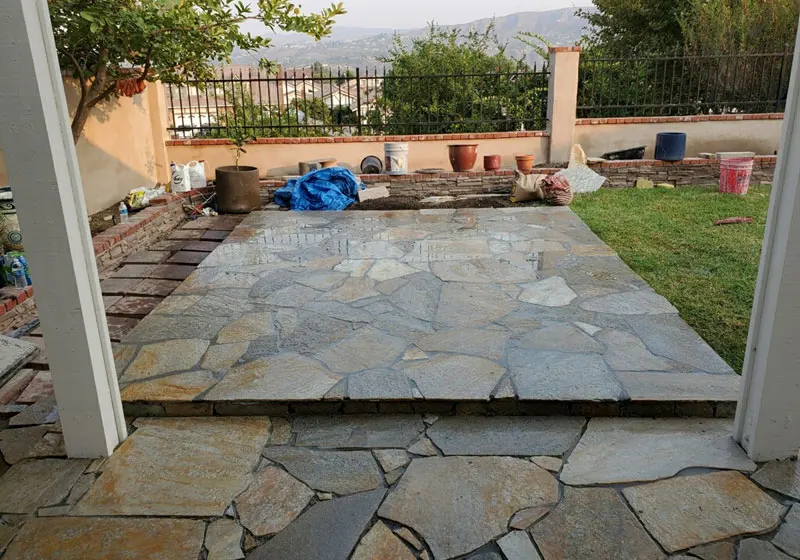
(79, 121)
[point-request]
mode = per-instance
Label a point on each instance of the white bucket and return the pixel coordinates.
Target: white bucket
(396, 157)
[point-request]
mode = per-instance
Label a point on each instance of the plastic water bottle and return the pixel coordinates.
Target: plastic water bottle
(18, 272)
(123, 213)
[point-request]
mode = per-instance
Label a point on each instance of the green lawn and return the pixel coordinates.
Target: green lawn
(668, 237)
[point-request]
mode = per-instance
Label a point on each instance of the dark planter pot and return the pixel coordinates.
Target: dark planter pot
(525, 163)
(492, 163)
(463, 156)
(670, 146)
(238, 189)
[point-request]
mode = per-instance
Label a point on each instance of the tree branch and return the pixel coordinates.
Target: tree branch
(204, 27)
(78, 68)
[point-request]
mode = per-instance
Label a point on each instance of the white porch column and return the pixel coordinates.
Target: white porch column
(768, 418)
(43, 171)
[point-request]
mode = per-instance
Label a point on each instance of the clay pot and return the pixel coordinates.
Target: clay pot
(492, 163)
(525, 163)
(238, 189)
(463, 156)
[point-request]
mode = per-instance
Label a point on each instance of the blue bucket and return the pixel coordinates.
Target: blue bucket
(670, 146)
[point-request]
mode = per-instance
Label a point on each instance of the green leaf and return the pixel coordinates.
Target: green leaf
(88, 16)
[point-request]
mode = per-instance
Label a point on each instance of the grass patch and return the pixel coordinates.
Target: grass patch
(668, 237)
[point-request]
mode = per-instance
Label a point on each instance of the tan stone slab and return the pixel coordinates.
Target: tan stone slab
(285, 377)
(381, 544)
(15, 386)
(281, 432)
(165, 357)
(272, 501)
(178, 387)
(688, 511)
(221, 357)
(716, 551)
(17, 444)
(39, 388)
(552, 464)
(29, 485)
(69, 538)
(178, 467)
(223, 540)
(249, 327)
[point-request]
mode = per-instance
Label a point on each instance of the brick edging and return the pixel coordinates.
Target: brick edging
(369, 139)
(681, 119)
(758, 161)
(10, 297)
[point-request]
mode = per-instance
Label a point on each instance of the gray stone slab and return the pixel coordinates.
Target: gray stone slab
(17, 444)
(458, 504)
(788, 537)
(313, 332)
(29, 485)
(517, 545)
(550, 292)
(593, 524)
(471, 305)
(379, 384)
(755, 549)
(561, 337)
(365, 349)
(356, 431)
(223, 538)
(419, 296)
(637, 302)
(155, 327)
(340, 472)
(328, 531)
(626, 352)
(690, 387)
(505, 435)
(391, 459)
(43, 412)
(687, 511)
(340, 311)
(475, 342)
(13, 354)
(558, 376)
(669, 336)
(615, 450)
(455, 377)
(781, 476)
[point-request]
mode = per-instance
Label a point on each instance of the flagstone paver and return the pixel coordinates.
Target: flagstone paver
(505, 435)
(329, 530)
(165, 357)
(593, 524)
(380, 543)
(211, 457)
(755, 549)
(517, 545)
(469, 296)
(272, 501)
(716, 551)
(611, 450)
(788, 537)
(223, 538)
(441, 499)
(29, 485)
(340, 472)
(688, 511)
(781, 476)
(107, 539)
(357, 431)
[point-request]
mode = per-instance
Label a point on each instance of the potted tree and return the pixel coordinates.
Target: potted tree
(238, 189)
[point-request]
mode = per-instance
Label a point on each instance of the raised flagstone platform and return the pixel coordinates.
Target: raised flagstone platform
(509, 311)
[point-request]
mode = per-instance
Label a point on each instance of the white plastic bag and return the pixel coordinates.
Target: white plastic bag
(181, 178)
(197, 174)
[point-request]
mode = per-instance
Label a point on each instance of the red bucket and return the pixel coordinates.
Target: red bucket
(734, 176)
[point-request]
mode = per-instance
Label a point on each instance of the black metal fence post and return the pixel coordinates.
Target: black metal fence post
(780, 78)
(358, 101)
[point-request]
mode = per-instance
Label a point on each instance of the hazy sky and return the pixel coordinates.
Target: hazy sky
(399, 14)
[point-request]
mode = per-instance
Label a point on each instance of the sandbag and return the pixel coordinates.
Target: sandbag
(527, 187)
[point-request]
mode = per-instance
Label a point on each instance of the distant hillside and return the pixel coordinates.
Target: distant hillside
(355, 46)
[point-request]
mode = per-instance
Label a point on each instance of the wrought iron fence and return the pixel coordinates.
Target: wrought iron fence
(310, 102)
(683, 85)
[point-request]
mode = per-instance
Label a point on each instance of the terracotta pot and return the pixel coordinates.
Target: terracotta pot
(238, 189)
(492, 163)
(463, 156)
(525, 163)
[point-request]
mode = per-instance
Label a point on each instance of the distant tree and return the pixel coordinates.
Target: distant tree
(449, 81)
(112, 47)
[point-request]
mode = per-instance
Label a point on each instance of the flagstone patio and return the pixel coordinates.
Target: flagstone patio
(499, 308)
(399, 487)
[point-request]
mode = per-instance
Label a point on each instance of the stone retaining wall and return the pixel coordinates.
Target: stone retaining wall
(620, 174)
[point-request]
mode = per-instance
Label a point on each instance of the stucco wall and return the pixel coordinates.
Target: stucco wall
(117, 151)
(278, 159)
(756, 135)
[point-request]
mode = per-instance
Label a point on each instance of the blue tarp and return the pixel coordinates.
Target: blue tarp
(334, 188)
